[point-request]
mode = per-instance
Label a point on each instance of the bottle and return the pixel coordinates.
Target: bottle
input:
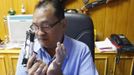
(23, 10)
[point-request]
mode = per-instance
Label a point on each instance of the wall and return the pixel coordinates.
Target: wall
(115, 17)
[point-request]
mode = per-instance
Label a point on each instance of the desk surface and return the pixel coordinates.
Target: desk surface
(17, 50)
(97, 51)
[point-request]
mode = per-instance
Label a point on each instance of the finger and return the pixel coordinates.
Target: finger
(33, 69)
(44, 70)
(57, 52)
(30, 61)
(58, 44)
(59, 57)
(39, 70)
(59, 48)
(62, 53)
(63, 49)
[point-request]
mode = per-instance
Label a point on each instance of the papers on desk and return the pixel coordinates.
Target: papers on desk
(105, 45)
(11, 46)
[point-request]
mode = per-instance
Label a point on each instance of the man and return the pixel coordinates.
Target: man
(57, 54)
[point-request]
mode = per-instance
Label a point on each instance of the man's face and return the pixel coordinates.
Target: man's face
(48, 36)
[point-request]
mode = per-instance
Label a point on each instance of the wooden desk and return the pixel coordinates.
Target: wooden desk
(8, 61)
(105, 62)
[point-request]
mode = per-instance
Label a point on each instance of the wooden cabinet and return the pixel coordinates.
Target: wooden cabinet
(106, 63)
(8, 61)
(3, 64)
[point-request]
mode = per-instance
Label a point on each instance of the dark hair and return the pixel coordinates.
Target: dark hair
(57, 4)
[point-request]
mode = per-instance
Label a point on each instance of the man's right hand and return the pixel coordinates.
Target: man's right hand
(37, 68)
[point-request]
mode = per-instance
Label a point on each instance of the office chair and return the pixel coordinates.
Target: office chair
(80, 27)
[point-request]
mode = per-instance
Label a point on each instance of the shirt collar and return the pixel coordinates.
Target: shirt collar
(37, 45)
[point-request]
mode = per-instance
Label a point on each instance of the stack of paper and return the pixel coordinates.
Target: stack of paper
(105, 45)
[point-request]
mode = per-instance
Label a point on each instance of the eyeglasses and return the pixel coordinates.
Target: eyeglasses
(44, 27)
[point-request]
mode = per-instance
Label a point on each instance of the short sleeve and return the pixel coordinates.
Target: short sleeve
(87, 66)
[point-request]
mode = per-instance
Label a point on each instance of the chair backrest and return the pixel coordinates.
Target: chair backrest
(80, 27)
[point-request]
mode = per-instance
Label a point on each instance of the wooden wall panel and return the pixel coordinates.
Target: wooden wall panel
(130, 25)
(111, 19)
(98, 20)
(4, 6)
(30, 5)
(115, 17)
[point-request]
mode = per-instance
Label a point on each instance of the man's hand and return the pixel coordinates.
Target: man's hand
(37, 68)
(55, 66)
(60, 53)
(40, 68)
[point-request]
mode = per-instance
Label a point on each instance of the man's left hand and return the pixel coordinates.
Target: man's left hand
(55, 67)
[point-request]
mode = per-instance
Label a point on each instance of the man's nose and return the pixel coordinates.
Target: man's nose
(41, 32)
